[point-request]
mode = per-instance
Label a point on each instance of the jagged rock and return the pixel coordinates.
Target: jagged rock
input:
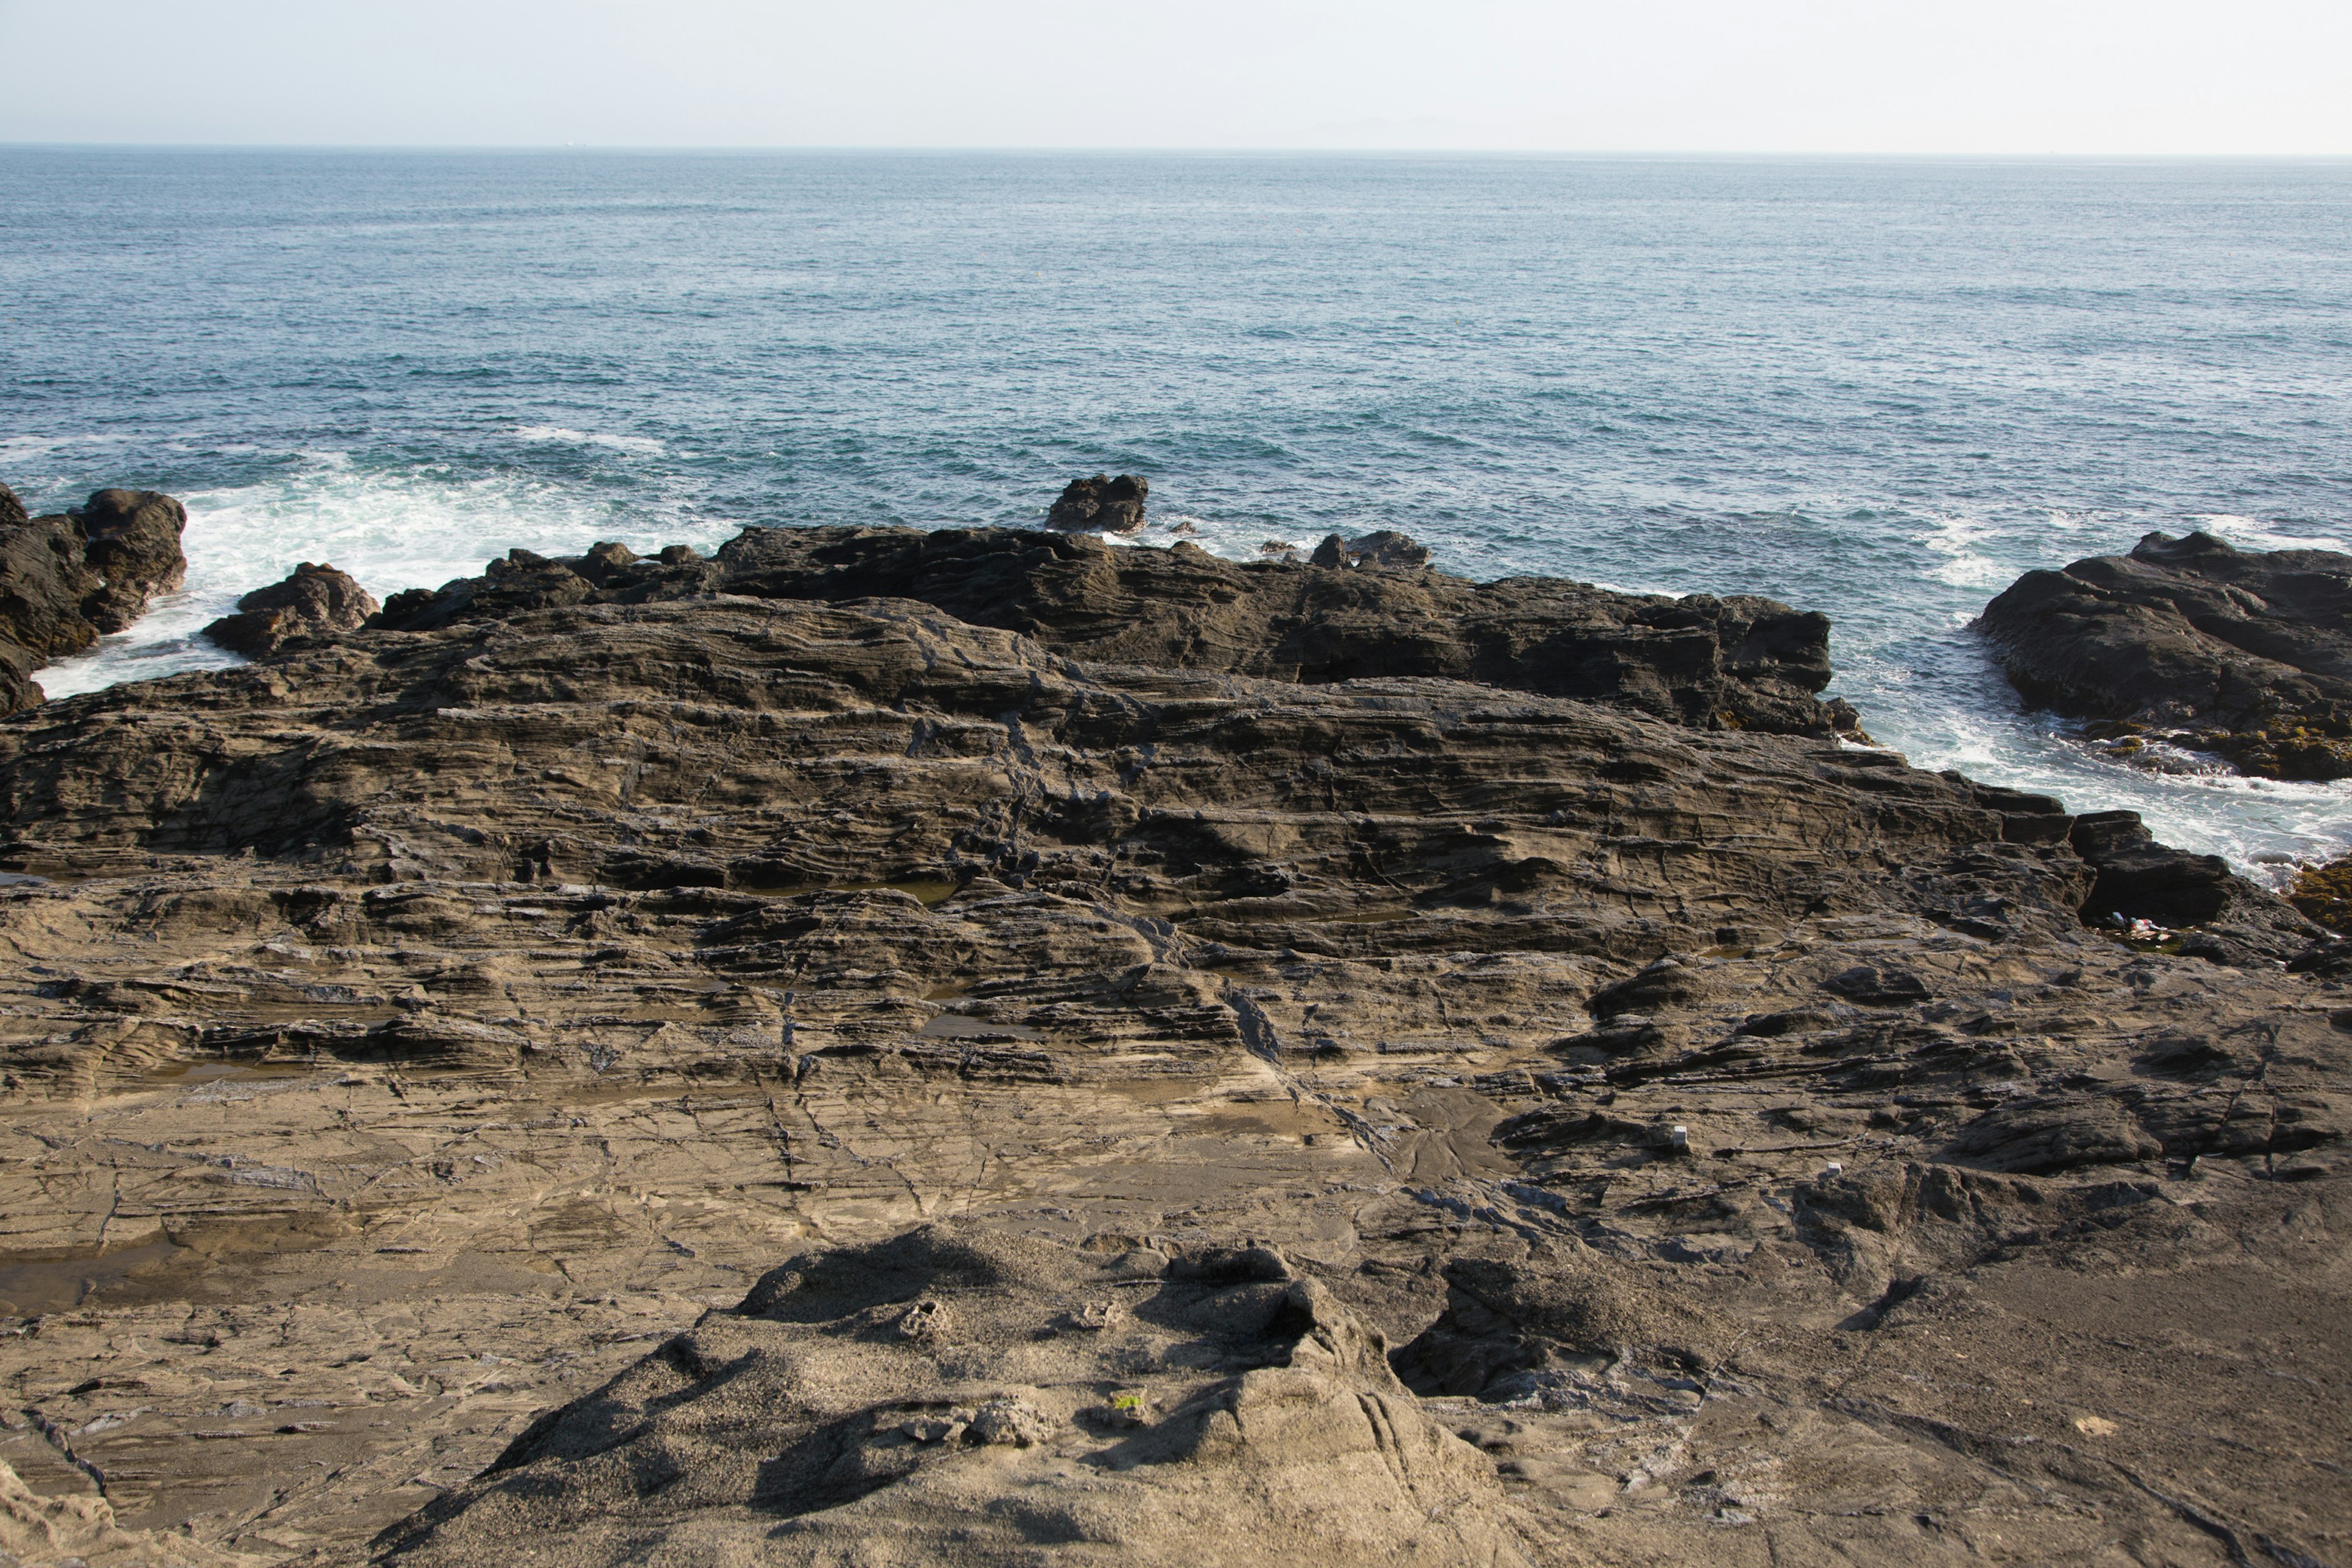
(2247, 654)
(1102, 504)
(312, 601)
(1728, 663)
(67, 578)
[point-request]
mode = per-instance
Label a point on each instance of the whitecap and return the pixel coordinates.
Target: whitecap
(2250, 531)
(389, 530)
(639, 445)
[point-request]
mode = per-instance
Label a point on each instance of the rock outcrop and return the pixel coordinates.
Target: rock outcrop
(1739, 663)
(1101, 504)
(646, 1069)
(2245, 654)
(67, 578)
(884, 1404)
(314, 600)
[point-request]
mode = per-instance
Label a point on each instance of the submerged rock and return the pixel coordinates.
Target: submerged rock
(69, 578)
(2247, 654)
(312, 601)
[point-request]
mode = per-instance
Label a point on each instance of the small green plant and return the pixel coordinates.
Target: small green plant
(1128, 1404)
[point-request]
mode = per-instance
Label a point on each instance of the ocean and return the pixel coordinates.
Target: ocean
(1877, 389)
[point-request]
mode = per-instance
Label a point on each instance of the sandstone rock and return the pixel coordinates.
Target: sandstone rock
(67, 578)
(411, 1045)
(1102, 503)
(779, 1430)
(313, 601)
(2248, 653)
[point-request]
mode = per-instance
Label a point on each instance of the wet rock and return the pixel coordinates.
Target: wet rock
(70, 578)
(1102, 504)
(2245, 653)
(314, 600)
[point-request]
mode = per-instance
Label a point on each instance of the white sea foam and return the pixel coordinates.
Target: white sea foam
(641, 445)
(389, 530)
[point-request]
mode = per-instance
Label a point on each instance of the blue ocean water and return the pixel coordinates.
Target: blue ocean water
(1880, 389)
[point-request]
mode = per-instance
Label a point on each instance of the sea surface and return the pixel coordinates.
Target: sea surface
(1878, 389)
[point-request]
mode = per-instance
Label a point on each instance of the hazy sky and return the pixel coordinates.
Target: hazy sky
(1881, 76)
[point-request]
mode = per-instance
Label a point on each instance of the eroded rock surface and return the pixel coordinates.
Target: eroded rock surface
(1231, 1409)
(314, 600)
(426, 1047)
(67, 578)
(2243, 653)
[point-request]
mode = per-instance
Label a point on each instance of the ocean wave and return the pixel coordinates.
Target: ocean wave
(389, 529)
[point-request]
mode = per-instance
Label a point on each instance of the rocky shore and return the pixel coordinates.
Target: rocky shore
(981, 1046)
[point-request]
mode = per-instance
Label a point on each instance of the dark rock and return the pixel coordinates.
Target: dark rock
(67, 579)
(1713, 663)
(1385, 548)
(2043, 1136)
(313, 601)
(1101, 504)
(1874, 986)
(2248, 653)
(132, 540)
(2140, 879)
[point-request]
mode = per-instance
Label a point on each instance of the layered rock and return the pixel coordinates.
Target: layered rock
(1101, 504)
(312, 601)
(2241, 653)
(1747, 1146)
(1716, 663)
(67, 578)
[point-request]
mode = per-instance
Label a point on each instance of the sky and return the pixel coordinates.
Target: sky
(1936, 77)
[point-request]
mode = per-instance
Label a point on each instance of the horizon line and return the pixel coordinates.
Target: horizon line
(1050, 149)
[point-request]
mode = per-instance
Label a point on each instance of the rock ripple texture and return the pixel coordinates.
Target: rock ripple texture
(607, 1065)
(2243, 653)
(67, 579)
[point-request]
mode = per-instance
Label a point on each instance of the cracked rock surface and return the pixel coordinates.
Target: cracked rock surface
(724, 1078)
